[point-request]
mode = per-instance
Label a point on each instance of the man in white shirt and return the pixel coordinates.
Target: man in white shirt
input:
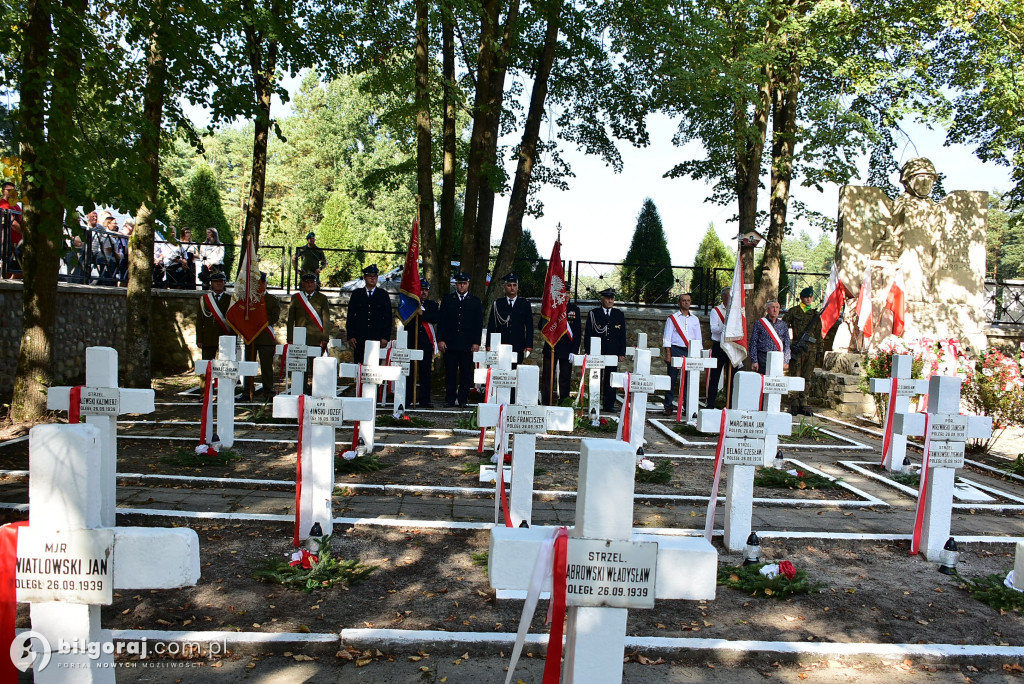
(681, 330)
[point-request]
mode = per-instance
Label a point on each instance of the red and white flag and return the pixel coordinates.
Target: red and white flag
(248, 311)
(897, 303)
(556, 300)
(864, 320)
(835, 298)
(734, 335)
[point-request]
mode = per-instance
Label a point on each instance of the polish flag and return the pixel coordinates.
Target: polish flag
(864, 321)
(897, 303)
(734, 335)
(835, 298)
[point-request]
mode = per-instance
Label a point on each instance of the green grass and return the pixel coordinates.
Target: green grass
(1016, 466)
(662, 473)
(326, 573)
(189, 457)
(479, 558)
(779, 479)
(467, 421)
(749, 580)
(473, 467)
(807, 430)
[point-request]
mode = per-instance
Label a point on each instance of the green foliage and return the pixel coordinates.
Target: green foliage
(878, 364)
(748, 579)
(662, 473)
(711, 254)
(807, 430)
(327, 572)
(647, 269)
(529, 266)
(582, 422)
(777, 478)
(473, 467)
(367, 463)
(388, 420)
(188, 457)
(1016, 466)
(784, 296)
(687, 430)
(994, 386)
(991, 591)
(201, 208)
(479, 558)
(467, 421)
(907, 479)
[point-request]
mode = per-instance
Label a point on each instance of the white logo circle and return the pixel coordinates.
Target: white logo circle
(24, 656)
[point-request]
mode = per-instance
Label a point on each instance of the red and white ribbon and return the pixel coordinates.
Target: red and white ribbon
(922, 489)
(679, 329)
(770, 329)
(889, 412)
(8, 593)
(298, 469)
(682, 384)
(583, 381)
(501, 469)
(359, 393)
(215, 311)
(207, 415)
(626, 421)
(760, 397)
(304, 301)
(709, 525)
(75, 405)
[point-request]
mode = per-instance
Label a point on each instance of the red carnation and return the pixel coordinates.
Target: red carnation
(786, 568)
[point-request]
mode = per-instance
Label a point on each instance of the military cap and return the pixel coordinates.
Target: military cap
(371, 270)
(807, 292)
(511, 278)
(309, 276)
(310, 234)
(461, 277)
(217, 275)
(424, 284)
(609, 292)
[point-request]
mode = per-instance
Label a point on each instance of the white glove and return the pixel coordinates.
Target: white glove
(572, 357)
(526, 354)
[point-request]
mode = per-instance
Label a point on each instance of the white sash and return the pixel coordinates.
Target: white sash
(211, 304)
(771, 333)
(311, 311)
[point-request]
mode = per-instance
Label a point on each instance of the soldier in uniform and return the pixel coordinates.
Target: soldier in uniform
(460, 318)
(264, 344)
(311, 310)
(309, 259)
(512, 317)
(210, 321)
(564, 349)
(768, 334)
(369, 314)
(609, 324)
(425, 339)
(805, 322)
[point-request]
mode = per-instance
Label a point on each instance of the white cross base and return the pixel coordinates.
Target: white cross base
(943, 400)
(296, 379)
(101, 372)
(687, 567)
(595, 362)
(641, 383)
(318, 441)
(695, 363)
(233, 372)
(65, 485)
(401, 356)
(546, 418)
(372, 374)
(739, 495)
(899, 402)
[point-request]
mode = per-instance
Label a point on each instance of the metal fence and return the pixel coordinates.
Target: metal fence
(1004, 301)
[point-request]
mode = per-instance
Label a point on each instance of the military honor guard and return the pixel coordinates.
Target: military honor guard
(717, 321)
(559, 359)
(417, 390)
(805, 322)
(369, 314)
(769, 333)
(460, 319)
(609, 324)
(211, 322)
(263, 346)
(512, 317)
(310, 258)
(682, 329)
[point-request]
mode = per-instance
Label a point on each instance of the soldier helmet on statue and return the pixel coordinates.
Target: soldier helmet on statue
(263, 276)
(916, 167)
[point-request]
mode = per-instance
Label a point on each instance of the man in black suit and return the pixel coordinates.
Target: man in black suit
(565, 348)
(460, 318)
(369, 314)
(425, 339)
(609, 324)
(512, 317)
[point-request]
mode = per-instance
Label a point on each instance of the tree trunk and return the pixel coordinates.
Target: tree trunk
(448, 143)
(474, 165)
(138, 362)
(424, 161)
(749, 149)
(263, 73)
(527, 150)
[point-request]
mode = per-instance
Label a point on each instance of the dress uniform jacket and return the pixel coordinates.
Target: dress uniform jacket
(610, 328)
(514, 323)
(208, 330)
(459, 322)
(369, 316)
(297, 316)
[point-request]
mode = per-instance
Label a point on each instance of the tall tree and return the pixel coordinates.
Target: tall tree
(647, 268)
(424, 154)
(201, 208)
(712, 268)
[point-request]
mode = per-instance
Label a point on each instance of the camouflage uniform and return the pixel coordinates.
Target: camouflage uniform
(802, 362)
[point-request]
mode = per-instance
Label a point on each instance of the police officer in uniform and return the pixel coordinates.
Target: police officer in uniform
(210, 323)
(803, 318)
(565, 348)
(512, 317)
(609, 324)
(369, 314)
(460, 318)
(425, 337)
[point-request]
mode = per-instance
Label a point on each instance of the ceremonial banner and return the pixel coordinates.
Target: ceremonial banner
(248, 312)
(409, 289)
(555, 300)
(835, 298)
(734, 336)
(897, 303)
(864, 320)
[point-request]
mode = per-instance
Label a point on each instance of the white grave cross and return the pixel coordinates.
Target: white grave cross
(641, 383)
(323, 414)
(371, 374)
(949, 431)
(401, 356)
(65, 503)
(776, 383)
(680, 567)
(101, 402)
(228, 371)
(525, 420)
(641, 343)
(296, 360)
(746, 430)
(592, 364)
(900, 388)
(696, 363)
(497, 361)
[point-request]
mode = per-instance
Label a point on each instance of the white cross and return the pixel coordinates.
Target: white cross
(228, 370)
(499, 362)
(641, 383)
(371, 374)
(66, 501)
(480, 357)
(696, 362)
(685, 567)
(776, 383)
(296, 362)
(641, 343)
(595, 362)
(525, 420)
(949, 432)
(899, 402)
(401, 356)
(324, 413)
(101, 402)
(747, 429)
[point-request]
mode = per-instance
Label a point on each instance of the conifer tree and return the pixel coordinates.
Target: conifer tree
(200, 209)
(711, 254)
(647, 268)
